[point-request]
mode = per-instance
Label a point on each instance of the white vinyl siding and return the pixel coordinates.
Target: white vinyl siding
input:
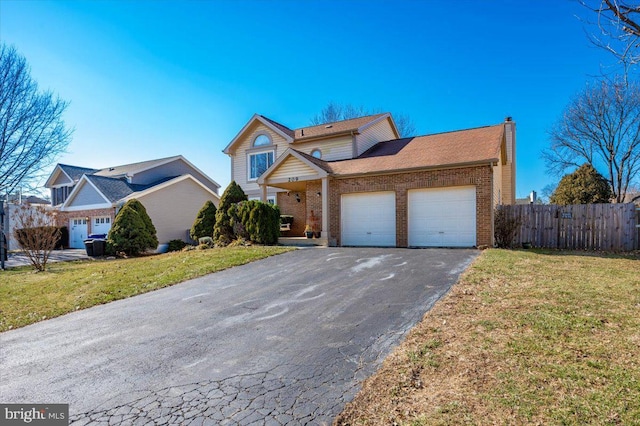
(174, 208)
(292, 167)
(381, 131)
(240, 162)
(340, 148)
(497, 185)
(368, 219)
(442, 217)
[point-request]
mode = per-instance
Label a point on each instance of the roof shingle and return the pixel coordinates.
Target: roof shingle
(442, 149)
(337, 127)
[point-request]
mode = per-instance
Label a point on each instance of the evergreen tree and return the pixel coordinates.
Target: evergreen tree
(584, 186)
(223, 232)
(133, 231)
(205, 221)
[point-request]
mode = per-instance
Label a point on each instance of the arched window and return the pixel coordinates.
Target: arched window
(316, 153)
(262, 140)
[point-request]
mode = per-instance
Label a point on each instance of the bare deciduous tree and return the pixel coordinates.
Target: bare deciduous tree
(36, 234)
(600, 126)
(618, 23)
(32, 132)
(336, 112)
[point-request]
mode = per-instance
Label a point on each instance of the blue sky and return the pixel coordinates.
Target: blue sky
(148, 79)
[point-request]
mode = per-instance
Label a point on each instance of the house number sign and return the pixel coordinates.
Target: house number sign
(566, 215)
(293, 179)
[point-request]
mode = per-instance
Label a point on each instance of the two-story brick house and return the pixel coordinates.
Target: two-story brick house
(368, 187)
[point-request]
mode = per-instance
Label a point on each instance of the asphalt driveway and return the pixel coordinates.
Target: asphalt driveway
(285, 340)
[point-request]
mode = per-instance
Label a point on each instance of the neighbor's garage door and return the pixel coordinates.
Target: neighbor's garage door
(442, 217)
(369, 219)
(77, 232)
(101, 225)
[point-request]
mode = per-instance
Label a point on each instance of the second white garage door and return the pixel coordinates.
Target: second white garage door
(442, 217)
(369, 219)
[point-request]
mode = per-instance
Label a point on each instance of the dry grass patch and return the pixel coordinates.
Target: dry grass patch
(525, 337)
(27, 297)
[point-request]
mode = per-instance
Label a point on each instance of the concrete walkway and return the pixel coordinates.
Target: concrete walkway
(20, 259)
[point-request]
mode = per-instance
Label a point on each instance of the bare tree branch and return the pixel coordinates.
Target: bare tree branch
(618, 24)
(336, 112)
(37, 234)
(32, 132)
(601, 127)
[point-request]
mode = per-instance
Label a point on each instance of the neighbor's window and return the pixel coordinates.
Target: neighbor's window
(258, 163)
(316, 153)
(261, 140)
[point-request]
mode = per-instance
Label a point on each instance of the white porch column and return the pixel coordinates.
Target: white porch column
(263, 193)
(325, 207)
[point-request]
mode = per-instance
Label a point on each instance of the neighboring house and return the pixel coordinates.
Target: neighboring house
(12, 208)
(367, 187)
(172, 190)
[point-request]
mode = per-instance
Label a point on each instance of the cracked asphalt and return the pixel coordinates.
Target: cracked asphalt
(283, 341)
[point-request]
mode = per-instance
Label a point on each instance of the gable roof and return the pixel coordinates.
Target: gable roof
(283, 131)
(303, 134)
(457, 148)
(111, 188)
(133, 168)
(480, 145)
(73, 173)
(355, 125)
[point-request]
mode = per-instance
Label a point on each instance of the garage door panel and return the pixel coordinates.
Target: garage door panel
(442, 217)
(369, 219)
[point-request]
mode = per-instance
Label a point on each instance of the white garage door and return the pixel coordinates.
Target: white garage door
(369, 219)
(77, 232)
(442, 217)
(101, 225)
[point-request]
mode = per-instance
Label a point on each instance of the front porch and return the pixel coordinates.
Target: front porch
(303, 194)
(303, 242)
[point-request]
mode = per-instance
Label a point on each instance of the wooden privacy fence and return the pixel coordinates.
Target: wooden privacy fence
(606, 227)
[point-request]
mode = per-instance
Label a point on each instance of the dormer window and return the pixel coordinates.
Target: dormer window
(316, 153)
(261, 140)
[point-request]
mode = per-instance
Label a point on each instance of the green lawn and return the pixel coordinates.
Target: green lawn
(525, 337)
(27, 297)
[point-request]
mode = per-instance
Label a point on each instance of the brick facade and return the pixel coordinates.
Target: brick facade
(288, 205)
(400, 183)
(63, 217)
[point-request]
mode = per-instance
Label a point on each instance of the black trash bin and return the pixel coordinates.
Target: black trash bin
(5, 247)
(88, 246)
(99, 246)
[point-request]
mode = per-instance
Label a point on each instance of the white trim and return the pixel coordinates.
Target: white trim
(269, 148)
(156, 164)
(87, 207)
(166, 184)
(379, 119)
(74, 193)
(290, 153)
(227, 149)
(60, 170)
